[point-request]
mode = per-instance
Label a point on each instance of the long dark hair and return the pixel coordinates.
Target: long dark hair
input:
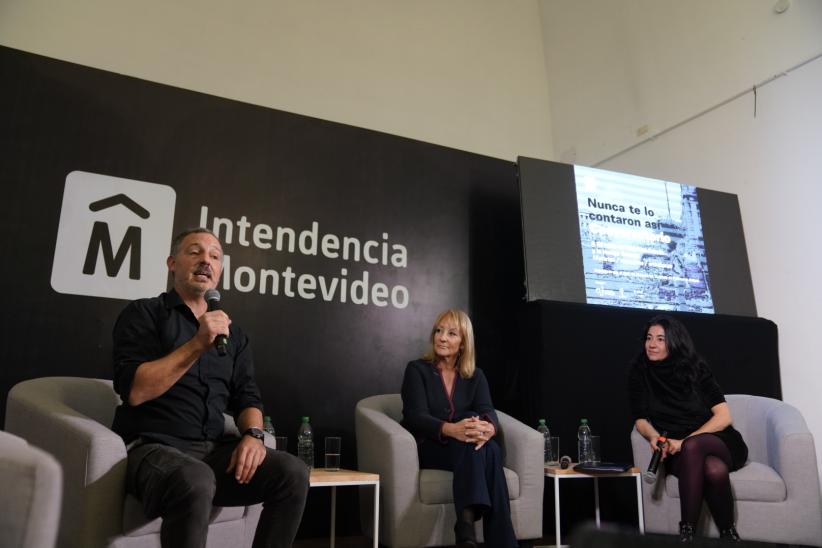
(682, 354)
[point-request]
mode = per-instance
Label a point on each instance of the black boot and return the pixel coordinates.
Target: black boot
(729, 534)
(686, 531)
(464, 531)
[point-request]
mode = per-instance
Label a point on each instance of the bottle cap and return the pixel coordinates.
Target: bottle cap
(305, 419)
(542, 421)
(583, 421)
(267, 418)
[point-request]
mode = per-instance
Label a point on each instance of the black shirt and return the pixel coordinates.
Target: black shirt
(677, 406)
(192, 409)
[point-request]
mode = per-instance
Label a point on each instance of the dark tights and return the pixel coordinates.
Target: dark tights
(702, 467)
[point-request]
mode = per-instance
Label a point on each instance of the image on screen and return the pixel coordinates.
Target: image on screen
(642, 242)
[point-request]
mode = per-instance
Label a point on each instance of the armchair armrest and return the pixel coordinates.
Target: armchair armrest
(386, 448)
(641, 450)
(524, 454)
(792, 454)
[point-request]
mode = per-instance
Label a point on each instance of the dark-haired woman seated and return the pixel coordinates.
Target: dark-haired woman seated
(673, 390)
(447, 407)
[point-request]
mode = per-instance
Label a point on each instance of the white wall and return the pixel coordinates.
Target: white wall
(658, 63)
(774, 163)
(463, 73)
(616, 66)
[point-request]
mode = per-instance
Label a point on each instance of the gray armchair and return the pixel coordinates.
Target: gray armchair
(777, 492)
(30, 497)
(416, 506)
(69, 417)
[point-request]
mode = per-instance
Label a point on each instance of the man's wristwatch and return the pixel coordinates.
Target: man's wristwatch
(255, 433)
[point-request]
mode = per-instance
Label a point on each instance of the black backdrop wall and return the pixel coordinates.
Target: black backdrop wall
(445, 228)
(455, 213)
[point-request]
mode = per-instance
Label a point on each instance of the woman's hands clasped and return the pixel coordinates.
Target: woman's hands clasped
(471, 430)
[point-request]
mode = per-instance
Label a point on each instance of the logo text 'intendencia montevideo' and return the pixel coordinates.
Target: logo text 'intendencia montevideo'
(357, 287)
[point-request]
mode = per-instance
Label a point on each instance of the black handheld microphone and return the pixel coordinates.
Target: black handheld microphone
(212, 297)
(650, 475)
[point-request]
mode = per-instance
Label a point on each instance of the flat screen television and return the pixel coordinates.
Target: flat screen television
(606, 238)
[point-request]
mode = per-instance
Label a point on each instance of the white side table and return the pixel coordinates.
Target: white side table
(558, 473)
(320, 477)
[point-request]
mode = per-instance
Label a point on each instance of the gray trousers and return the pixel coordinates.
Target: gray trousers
(181, 487)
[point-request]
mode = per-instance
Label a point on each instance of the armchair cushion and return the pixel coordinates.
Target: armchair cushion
(136, 524)
(754, 481)
(436, 486)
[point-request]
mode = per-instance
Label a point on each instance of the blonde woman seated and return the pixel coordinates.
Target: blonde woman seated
(447, 407)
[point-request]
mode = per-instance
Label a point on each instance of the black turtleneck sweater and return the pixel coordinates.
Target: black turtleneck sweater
(675, 405)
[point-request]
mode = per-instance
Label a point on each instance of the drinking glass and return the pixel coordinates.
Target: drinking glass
(595, 454)
(333, 444)
(553, 458)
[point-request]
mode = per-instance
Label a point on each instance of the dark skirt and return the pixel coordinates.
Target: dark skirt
(736, 445)
(732, 439)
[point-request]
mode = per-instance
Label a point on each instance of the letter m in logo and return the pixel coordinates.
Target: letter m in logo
(101, 240)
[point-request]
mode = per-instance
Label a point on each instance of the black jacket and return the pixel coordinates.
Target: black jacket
(426, 405)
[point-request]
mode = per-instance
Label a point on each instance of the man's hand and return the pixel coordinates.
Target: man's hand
(245, 459)
(212, 324)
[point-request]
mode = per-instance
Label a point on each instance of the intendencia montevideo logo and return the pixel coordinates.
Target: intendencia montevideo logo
(344, 287)
(113, 237)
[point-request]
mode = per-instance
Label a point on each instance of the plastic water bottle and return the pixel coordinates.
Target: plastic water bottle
(543, 429)
(305, 443)
(584, 442)
(267, 426)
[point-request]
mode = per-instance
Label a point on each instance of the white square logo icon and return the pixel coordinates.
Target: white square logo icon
(113, 238)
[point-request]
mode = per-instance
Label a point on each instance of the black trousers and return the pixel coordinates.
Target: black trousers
(479, 482)
(183, 486)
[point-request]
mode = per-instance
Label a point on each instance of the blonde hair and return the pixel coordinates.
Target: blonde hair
(466, 359)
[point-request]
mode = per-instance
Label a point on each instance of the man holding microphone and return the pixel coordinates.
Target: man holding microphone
(175, 387)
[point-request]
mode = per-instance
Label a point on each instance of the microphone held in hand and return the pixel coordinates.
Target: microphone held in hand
(212, 297)
(650, 475)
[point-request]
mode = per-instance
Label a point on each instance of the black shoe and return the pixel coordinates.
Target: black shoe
(686, 531)
(466, 538)
(729, 534)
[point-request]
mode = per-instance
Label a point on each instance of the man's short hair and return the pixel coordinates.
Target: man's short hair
(178, 239)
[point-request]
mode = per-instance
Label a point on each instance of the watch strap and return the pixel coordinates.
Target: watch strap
(254, 433)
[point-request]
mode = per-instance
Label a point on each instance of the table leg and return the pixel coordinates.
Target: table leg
(556, 510)
(596, 500)
(639, 504)
(333, 514)
(376, 515)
